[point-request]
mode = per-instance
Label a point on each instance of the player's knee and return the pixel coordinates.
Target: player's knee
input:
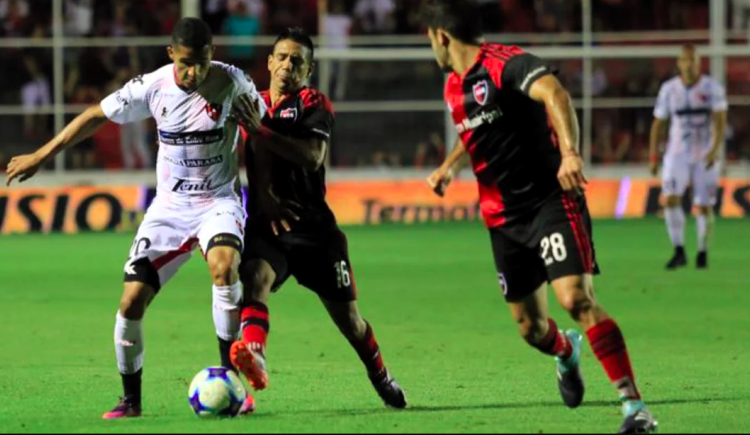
(223, 270)
(577, 303)
(532, 329)
(705, 210)
(258, 279)
(353, 326)
(135, 299)
(673, 201)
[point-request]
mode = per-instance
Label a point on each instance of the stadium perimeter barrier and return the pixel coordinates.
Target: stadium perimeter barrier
(76, 209)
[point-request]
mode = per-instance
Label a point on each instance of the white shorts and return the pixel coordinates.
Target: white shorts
(167, 237)
(678, 173)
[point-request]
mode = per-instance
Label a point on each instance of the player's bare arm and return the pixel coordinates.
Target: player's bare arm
(456, 161)
(82, 127)
(658, 130)
(719, 120)
(308, 153)
(556, 99)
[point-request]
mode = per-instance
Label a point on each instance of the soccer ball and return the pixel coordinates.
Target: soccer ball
(216, 392)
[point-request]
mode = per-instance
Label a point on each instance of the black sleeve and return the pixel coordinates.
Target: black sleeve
(522, 71)
(317, 121)
(317, 115)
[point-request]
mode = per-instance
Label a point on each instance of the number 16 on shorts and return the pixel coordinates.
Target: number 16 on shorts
(343, 277)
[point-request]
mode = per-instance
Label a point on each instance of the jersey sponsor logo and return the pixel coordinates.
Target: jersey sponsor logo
(195, 163)
(481, 92)
(487, 117)
(191, 137)
(214, 110)
(290, 113)
(186, 186)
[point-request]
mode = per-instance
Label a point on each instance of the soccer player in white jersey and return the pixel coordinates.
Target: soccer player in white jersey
(196, 203)
(695, 107)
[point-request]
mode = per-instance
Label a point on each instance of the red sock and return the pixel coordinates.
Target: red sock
(555, 343)
(255, 325)
(369, 352)
(609, 347)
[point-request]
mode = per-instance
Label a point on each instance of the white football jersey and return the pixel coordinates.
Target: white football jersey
(197, 161)
(690, 110)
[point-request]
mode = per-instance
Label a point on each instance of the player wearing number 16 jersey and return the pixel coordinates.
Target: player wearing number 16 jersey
(288, 148)
(518, 126)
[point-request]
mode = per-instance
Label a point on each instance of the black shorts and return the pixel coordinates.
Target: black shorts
(318, 259)
(551, 243)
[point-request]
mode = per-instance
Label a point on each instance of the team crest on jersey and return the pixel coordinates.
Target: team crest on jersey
(214, 110)
(290, 113)
(704, 98)
(481, 92)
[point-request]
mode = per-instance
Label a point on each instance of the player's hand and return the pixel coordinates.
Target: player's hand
(247, 112)
(711, 158)
(439, 180)
(23, 167)
(279, 212)
(570, 174)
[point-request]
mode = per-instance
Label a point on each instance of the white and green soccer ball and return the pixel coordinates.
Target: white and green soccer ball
(216, 392)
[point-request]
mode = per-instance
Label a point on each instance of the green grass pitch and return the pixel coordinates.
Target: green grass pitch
(432, 297)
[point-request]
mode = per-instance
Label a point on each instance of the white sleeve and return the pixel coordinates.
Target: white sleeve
(661, 111)
(129, 103)
(718, 98)
(245, 86)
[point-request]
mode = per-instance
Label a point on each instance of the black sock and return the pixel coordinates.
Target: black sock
(131, 385)
(224, 347)
(679, 250)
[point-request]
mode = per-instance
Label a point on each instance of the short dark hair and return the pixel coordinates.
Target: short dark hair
(192, 32)
(460, 18)
(299, 36)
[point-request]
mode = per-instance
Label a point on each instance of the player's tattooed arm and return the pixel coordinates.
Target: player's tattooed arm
(556, 99)
(82, 127)
(658, 130)
(719, 120)
(308, 153)
(456, 161)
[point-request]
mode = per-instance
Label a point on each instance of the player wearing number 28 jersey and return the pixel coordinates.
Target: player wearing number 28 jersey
(517, 125)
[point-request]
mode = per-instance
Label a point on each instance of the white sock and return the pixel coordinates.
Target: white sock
(675, 218)
(705, 225)
(129, 345)
(226, 311)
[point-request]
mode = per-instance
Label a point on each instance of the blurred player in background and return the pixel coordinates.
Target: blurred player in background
(519, 127)
(292, 140)
(197, 180)
(695, 108)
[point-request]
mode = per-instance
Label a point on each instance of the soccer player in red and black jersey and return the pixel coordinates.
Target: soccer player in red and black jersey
(291, 231)
(518, 126)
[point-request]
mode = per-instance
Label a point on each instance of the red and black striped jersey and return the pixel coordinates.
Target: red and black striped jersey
(303, 114)
(513, 148)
